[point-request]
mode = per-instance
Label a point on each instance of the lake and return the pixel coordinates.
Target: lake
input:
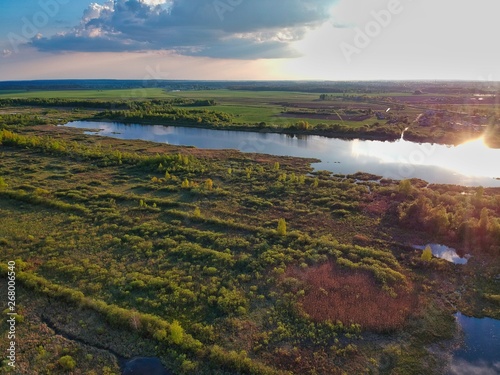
(469, 164)
(480, 353)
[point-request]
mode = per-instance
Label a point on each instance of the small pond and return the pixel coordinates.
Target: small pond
(145, 366)
(445, 252)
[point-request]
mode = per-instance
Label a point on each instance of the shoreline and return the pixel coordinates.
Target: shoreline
(346, 135)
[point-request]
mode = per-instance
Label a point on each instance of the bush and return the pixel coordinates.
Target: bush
(197, 212)
(67, 362)
(176, 332)
(427, 254)
(281, 227)
(209, 184)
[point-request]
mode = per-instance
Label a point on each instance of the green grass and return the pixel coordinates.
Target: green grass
(246, 95)
(151, 93)
(129, 94)
(248, 107)
(104, 233)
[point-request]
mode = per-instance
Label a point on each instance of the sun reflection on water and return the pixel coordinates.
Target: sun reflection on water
(471, 159)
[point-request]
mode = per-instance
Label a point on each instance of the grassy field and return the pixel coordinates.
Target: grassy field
(219, 262)
(369, 116)
(128, 94)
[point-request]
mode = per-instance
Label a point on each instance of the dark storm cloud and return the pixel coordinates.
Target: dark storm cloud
(214, 28)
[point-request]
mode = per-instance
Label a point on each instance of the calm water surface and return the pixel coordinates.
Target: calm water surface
(480, 354)
(470, 164)
(445, 252)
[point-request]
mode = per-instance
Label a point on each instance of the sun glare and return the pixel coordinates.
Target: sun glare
(470, 159)
(474, 159)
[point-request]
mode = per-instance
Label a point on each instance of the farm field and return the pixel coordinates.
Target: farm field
(428, 117)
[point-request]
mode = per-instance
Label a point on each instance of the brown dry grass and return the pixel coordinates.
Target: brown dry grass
(337, 294)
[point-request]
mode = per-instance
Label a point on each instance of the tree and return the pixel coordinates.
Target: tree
(249, 172)
(281, 227)
(135, 320)
(176, 332)
(427, 254)
(483, 220)
(405, 187)
(67, 362)
(185, 184)
(209, 184)
(480, 192)
(303, 125)
(197, 212)
(438, 220)
(3, 184)
(276, 166)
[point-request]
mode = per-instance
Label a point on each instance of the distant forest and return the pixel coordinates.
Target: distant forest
(433, 87)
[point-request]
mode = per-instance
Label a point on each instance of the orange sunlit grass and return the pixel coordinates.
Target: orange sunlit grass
(337, 294)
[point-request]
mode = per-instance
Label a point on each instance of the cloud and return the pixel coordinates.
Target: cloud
(462, 367)
(6, 53)
(240, 29)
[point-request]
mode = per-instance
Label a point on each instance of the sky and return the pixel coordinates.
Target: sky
(250, 39)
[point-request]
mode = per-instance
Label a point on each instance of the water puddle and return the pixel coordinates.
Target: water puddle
(445, 252)
(145, 366)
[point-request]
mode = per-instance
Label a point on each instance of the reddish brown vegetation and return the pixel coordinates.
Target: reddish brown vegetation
(349, 296)
(377, 207)
(305, 361)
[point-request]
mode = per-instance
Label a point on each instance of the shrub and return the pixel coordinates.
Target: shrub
(405, 187)
(176, 332)
(281, 227)
(67, 362)
(427, 254)
(209, 184)
(197, 212)
(303, 125)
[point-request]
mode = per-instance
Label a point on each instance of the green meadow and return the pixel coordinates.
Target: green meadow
(221, 262)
